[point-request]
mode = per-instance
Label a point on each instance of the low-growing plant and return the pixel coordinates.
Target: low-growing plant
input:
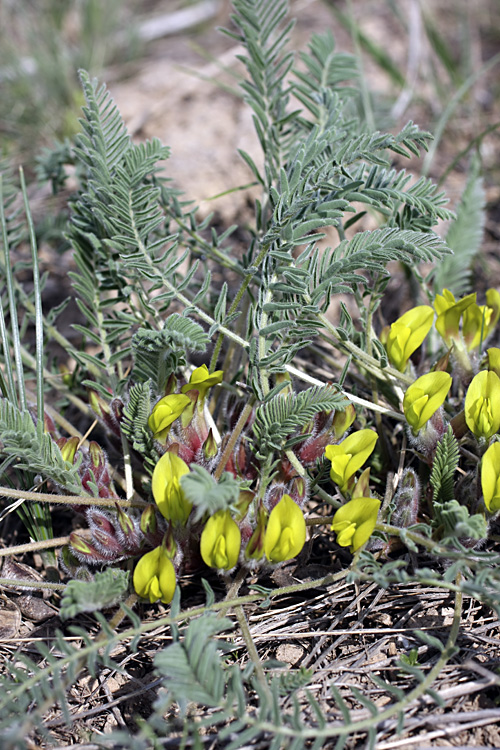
(231, 416)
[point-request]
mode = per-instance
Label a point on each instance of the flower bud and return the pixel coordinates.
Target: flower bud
(255, 547)
(342, 420)
(109, 413)
(128, 532)
(86, 552)
(362, 487)
(243, 503)
(210, 447)
(406, 500)
(68, 447)
(149, 522)
(298, 489)
(104, 533)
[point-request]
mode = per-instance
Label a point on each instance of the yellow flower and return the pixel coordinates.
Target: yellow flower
(220, 541)
(166, 411)
(480, 320)
(493, 301)
(154, 576)
(201, 380)
(424, 397)
(477, 325)
(350, 455)
(490, 477)
(449, 312)
(167, 490)
(354, 522)
(286, 531)
(482, 404)
(494, 360)
(407, 333)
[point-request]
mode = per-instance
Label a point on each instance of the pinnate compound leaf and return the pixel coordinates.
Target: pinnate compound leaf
(106, 589)
(192, 668)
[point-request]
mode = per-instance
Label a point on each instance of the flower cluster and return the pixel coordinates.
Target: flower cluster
(268, 529)
(265, 525)
(468, 396)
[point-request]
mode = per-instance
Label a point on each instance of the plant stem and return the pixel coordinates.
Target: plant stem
(34, 546)
(103, 502)
(240, 424)
(42, 585)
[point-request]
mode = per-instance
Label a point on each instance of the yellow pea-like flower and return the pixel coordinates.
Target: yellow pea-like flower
(350, 455)
(407, 333)
(167, 490)
(220, 541)
(286, 531)
(165, 412)
(478, 323)
(490, 477)
(424, 397)
(482, 404)
(480, 320)
(355, 521)
(449, 311)
(201, 380)
(154, 576)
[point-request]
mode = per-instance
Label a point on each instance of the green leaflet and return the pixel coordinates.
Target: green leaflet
(105, 590)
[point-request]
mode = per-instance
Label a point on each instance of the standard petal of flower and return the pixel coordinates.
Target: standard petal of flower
(201, 380)
(490, 477)
(167, 490)
(286, 531)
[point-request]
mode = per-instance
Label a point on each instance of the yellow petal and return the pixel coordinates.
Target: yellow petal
(490, 477)
(482, 404)
(165, 412)
(220, 541)
(355, 521)
(167, 490)
(285, 532)
(424, 397)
